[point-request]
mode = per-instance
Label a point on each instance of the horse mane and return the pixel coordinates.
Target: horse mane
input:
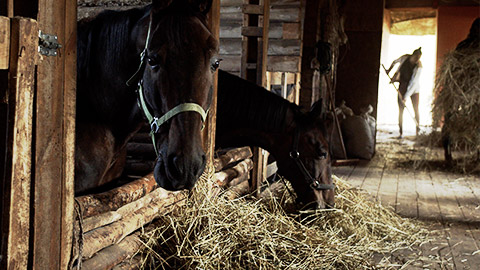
(251, 105)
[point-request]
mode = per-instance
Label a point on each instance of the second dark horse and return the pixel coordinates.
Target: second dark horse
(179, 58)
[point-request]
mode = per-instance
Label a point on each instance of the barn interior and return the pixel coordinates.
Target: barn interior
(400, 202)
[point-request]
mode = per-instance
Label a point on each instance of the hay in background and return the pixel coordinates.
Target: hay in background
(214, 233)
(458, 101)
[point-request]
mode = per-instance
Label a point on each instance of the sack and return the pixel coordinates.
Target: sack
(359, 135)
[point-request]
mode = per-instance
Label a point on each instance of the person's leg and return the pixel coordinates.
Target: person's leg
(402, 88)
(415, 101)
(401, 107)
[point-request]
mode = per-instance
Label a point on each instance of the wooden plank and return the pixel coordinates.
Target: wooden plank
(291, 31)
(406, 195)
(281, 63)
(231, 63)
(4, 42)
(69, 116)
(428, 208)
(23, 54)
(310, 37)
(284, 47)
(233, 46)
(252, 9)
(387, 191)
(232, 29)
(466, 200)
(252, 31)
(446, 198)
(372, 181)
(209, 133)
(55, 129)
(358, 174)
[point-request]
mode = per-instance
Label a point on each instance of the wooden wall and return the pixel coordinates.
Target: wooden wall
(453, 26)
(284, 36)
(359, 60)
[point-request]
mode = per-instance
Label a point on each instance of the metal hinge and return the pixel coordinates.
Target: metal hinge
(48, 44)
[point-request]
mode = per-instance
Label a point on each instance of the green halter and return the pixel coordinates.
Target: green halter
(154, 121)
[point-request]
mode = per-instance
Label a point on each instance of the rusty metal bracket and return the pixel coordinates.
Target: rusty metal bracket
(48, 44)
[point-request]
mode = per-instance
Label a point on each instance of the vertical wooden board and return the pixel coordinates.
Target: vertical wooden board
(69, 110)
(24, 38)
(310, 34)
(209, 131)
(4, 42)
(54, 138)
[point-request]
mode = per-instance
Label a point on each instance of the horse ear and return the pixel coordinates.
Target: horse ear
(203, 6)
(159, 5)
(317, 109)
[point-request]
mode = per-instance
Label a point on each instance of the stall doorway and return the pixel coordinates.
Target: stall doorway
(402, 35)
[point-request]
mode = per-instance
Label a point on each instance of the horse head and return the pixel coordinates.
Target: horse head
(179, 58)
(308, 160)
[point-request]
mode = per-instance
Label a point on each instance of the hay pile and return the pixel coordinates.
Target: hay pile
(214, 233)
(458, 100)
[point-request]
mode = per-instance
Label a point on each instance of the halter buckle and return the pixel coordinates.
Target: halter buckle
(294, 154)
(154, 126)
(315, 184)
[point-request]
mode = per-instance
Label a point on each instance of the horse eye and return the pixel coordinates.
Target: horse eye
(216, 64)
(153, 63)
(322, 155)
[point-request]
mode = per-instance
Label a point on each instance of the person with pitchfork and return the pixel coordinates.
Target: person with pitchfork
(408, 75)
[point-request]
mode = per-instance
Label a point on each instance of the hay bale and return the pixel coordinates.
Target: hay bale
(217, 233)
(457, 104)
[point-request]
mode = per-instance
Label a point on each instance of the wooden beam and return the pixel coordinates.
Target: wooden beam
(16, 218)
(4, 42)
(55, 131)
(211, 124)
(310, 37)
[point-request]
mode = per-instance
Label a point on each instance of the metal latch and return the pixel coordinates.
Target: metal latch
(48, 44)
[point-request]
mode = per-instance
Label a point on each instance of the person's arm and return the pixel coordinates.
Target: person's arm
(399, 60)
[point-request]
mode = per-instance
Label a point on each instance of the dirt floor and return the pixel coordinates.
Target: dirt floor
(416, 183)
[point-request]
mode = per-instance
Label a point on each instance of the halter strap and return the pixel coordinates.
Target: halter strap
(295, 155)
(154, 121)
(135, 75)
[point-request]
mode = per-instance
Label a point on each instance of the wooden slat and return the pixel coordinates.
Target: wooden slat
(4, 42)
(55, 129)
(291, 31)
(428, 208)
(387, 192)
(252, 31)
(252, 9)
(310, 37)
(24, 42)
(282, 63)
(209, 133)
(406, 195)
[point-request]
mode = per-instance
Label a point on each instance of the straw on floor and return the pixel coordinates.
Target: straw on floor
(215, 233)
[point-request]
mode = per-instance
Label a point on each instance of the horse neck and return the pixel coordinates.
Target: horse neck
(107, 57)
(277, 142)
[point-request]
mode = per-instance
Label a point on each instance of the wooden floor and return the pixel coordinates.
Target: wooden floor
(449, 203)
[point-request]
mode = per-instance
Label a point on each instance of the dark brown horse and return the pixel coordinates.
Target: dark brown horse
(249, 115)
(165, 48)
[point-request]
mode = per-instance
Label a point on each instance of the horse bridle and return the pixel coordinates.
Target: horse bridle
(295, 155)
(153, 121)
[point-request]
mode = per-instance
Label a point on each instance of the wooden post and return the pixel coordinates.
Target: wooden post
(309, 38)
(256, 16)
(16, 212)
(4, 42)
(55, 139)
(210, 125)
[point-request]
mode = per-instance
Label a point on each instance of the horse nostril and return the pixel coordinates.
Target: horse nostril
(173, 165)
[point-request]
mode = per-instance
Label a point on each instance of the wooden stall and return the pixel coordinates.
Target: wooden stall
(37, 132)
